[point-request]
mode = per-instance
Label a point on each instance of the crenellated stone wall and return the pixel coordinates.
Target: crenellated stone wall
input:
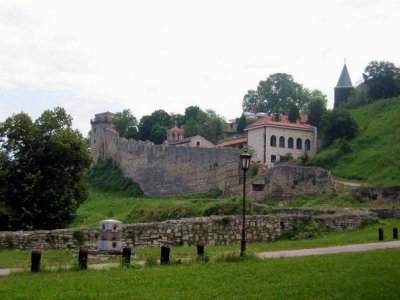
(220, 230)
(167, 170)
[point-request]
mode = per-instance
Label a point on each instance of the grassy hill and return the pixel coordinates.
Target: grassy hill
(374, 154)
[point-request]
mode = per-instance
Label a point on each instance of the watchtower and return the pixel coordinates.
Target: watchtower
(100, 123)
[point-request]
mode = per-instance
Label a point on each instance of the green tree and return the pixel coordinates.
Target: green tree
(41, 170)
(340, 126)
(241, 123)
(126, 124)
(294, 114)
(276, 95)
(158, 117)
(213, 128)
(317, 112)
(158, 134)
(381, 80)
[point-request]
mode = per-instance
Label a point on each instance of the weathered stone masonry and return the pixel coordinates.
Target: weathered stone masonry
(211, 231)
(167, 170)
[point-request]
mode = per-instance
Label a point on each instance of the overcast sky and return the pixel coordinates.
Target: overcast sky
(96, 56)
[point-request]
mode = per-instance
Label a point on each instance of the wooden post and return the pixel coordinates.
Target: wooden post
(380, 234)
(83, 258)
(164, 255)
(395, 233)
(126, 256)
(35, 260)
(200, 250)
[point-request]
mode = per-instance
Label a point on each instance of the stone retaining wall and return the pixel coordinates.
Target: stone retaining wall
(287, 181)
(387, 194)
(212, 231)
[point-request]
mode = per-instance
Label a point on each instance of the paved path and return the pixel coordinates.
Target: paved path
(330, 250)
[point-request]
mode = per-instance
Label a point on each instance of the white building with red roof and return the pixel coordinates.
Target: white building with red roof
(273, 140)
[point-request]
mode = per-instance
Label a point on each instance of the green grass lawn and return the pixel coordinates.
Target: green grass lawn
(366, 275)
(105, 205)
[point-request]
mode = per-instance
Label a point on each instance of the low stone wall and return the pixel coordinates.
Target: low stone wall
(387, 194)
(288, 181)
(212, 231)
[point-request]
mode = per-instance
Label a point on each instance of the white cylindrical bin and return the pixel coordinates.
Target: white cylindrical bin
(110, 236)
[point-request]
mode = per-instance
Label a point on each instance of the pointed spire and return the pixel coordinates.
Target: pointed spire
(344, 79)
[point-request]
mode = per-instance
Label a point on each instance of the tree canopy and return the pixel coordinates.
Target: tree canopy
(381, 78)
(340, 125)
(276, 95)
(154, 127)
(41, 171)
(126, 124)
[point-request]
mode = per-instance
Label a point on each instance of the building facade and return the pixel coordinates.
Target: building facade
(273, 140)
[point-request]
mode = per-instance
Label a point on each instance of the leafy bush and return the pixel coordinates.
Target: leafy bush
(106, 176)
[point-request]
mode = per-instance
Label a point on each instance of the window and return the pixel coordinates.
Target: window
(299, 144)
(281, 142)
(273, 158)
(308, 145)
(290, 143)
(273, 141)
(197, 144)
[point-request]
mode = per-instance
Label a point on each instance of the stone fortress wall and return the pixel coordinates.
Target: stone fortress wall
(162, 170)
(167, 170)
(221, 230)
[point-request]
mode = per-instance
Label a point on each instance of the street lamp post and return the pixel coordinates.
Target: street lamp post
(245, 159)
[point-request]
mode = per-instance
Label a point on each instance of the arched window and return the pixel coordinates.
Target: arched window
(281, 142)
(290, 143)
(273, 141)
(307, 144)
(299, 144)
(197, 144)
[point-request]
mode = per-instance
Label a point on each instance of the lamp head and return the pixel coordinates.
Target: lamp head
(245, 159)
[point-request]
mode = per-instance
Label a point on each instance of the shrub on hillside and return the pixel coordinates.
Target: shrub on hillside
(106, 176)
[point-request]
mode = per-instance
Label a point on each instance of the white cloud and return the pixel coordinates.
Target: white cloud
(148, 55)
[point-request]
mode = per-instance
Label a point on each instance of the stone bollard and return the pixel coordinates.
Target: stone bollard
(35, 260)
(126, 256)
(380, 234)
(164, 255)
(83, 258)
(395, 233)
(200, 250)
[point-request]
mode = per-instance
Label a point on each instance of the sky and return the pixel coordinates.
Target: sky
(96, 56)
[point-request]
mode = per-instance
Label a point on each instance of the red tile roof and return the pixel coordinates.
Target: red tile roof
(234, 142)
(283, 123)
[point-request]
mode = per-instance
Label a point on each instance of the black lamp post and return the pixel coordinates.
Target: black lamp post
(245, 159)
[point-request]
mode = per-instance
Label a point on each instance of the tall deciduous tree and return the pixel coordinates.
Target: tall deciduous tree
(41, 169)
(276, 95)
(381, 80)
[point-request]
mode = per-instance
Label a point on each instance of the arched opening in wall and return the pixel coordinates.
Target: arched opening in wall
(307, 145)
(281, 142)
(290, 143)
(94, 141)
(273, 141)
(299, 144)
(173, 136)
(94, 130)
(197, 144)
